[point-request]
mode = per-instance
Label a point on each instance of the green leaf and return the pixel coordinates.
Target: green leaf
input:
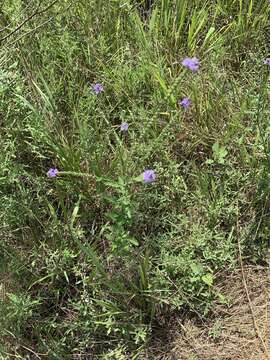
(133, 241)
(208, 279)
(196, 268)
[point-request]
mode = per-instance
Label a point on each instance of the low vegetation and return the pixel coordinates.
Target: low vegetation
(134, 160)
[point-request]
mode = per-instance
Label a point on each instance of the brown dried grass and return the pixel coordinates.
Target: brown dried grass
(238, 331)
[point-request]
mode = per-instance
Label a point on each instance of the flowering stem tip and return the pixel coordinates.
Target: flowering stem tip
(124, 127)
(186, 102)
(149, 176)
(191, 63)
(97, 88)
(52, 173)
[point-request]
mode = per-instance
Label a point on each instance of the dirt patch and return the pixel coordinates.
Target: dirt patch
(238, 330)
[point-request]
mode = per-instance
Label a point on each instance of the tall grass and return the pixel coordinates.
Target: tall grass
(95, 260)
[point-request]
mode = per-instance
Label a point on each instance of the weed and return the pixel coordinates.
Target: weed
(134, 140)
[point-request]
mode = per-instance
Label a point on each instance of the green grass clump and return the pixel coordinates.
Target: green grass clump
(95, 261)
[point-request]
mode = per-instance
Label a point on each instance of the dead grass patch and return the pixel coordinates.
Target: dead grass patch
(230, 333)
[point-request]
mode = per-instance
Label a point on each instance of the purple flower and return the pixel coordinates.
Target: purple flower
(149, 176)
(53, 172)
(191, 63)
(185, 102)
(267, 61)
(98, 88)
(124, 127)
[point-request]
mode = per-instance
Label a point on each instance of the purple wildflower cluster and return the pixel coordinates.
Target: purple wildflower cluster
(98, 88)
(185, 102)
(52, 173)
(124, 127)
(149, 176)
(191, 63)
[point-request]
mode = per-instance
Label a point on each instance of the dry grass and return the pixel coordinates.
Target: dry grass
(230, 334)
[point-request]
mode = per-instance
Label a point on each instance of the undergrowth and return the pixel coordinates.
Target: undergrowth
(96, 257)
